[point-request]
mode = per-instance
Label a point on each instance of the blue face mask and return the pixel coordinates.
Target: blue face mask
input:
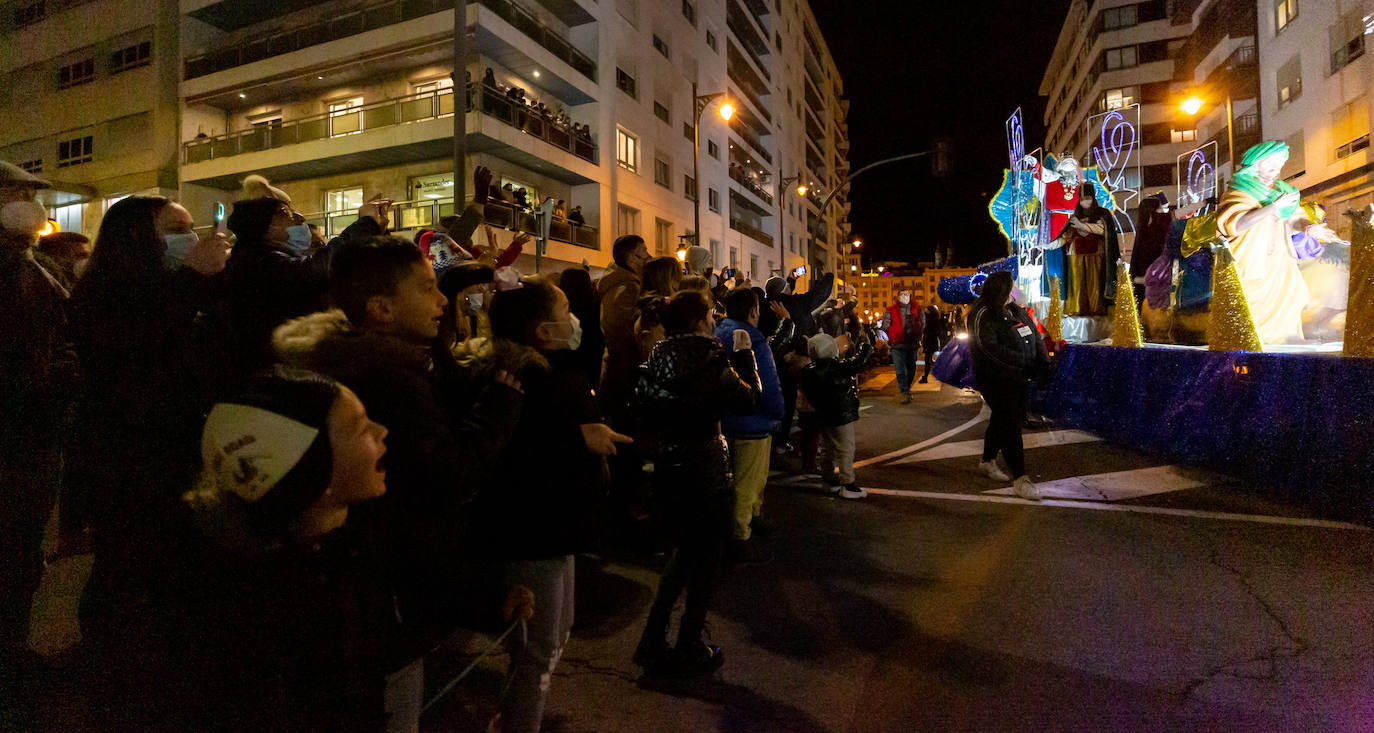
(178, 245)
(298, 239)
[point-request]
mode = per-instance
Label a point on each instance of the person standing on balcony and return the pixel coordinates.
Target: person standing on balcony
(575, 216)
(903, 325)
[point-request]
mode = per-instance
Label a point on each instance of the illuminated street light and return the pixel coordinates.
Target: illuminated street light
(1192, 105)
(682, 255)
(727, 111)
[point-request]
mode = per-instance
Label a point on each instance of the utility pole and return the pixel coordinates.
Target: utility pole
(460, 103)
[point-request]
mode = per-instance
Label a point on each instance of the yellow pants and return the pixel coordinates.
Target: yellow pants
(1085, 286)
(750, 459)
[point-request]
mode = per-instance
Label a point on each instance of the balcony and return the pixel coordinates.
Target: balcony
(372, 18)
(503, 215)
(741, 176)
(737, 21)
(741, 131)
(390, 132)
(750, 231)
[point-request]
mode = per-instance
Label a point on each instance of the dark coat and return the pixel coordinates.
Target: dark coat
(266, 286)
(832, 385)
(799, 306)
(439, 452)
(617, 297)
(1005, 345)
(37, 367)
(546, 498)
(684, 389)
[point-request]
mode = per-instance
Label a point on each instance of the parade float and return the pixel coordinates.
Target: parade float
(1247, 344)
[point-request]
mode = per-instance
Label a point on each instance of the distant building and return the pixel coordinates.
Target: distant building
(1317, 72)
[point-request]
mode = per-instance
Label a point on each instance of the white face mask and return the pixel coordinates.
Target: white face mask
(475, 301)
(178, 245)
(23, 217)
(574, 338)
(298, 239)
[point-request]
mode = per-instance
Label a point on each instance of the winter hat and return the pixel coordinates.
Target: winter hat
(822, 346)
(256, 187)
(444, 253)
(266, 452)
(507, 278)
(251, 217)
(698, 260)
(463, 275)
(774, 286)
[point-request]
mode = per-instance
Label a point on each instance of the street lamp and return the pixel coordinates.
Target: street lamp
(1193, 104)
(727, 110)
(858, 243)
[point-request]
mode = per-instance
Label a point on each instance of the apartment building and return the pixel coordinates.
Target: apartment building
(877, 284)
(337, 101)
(1318, 75)
(1111, 54)
(88, 100)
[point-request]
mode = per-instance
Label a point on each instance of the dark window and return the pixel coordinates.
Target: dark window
(661, 46)
(31, 13)
(777, 40)
(712, 149)
(74, 151)
(624, 82)
(1352, 147)
(689, 188)
(1343, 55)
(1119, 58)
(139, 54)
(1153, 51)
(662, 173)
(32, 166)
(711, 40)
(1122, 17)
(687, 131)
(713, 200)
(689, 12)
(660, 112)
(77, 73)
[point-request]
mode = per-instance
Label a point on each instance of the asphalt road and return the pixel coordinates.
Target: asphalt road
(1147, 597)
(942, 607)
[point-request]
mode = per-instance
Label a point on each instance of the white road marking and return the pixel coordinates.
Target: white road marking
(942, 437)
(975, 447)
(1101, 507)
(1116, 485)
(865, 407)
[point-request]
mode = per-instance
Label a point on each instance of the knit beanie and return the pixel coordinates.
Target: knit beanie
(698, 260)
(774, 286)
(251, 217)
(463, 275)
(822, 346)
(265, 452)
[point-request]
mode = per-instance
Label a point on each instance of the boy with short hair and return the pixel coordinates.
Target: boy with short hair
(831, 385)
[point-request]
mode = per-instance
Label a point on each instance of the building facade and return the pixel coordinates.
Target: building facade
(88, 100)
(1318, 76)
(337, 101)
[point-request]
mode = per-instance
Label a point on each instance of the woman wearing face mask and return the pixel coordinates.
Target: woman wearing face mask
(545, 507)
(272, 276)
(146, 383)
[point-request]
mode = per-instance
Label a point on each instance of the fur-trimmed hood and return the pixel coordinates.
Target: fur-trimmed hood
(479, 357)
(327, 343)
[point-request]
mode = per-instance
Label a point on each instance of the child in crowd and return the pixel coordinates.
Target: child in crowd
(831, 385)
(808, 424)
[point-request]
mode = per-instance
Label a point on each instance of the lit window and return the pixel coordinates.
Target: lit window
(1285, 11)
(345, 117)
(69, 217)
(343, 200)
(1119, 98)
(1182, 136)
(433, 87)
(627, 150)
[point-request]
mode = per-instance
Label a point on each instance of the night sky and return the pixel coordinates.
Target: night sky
(914, 71)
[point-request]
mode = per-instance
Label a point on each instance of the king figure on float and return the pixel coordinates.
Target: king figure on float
(1267, 234)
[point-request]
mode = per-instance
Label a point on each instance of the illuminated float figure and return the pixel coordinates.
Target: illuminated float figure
(1088, 246)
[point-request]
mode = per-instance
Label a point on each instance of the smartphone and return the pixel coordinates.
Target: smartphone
(221, 221)
(801, 270)
(727, 273)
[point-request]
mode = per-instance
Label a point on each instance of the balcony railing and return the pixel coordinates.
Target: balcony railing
(740, 131)
(545, 36)
(371, 18)
(758, 234)
(743, 179)
(413, 108)
(424, 214)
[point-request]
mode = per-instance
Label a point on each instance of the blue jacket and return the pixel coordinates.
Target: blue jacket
(765, 419)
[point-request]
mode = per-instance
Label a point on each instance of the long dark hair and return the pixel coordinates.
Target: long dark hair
(1095, 212)
(126, 265)
(1145, 213)
(661, 276)
(994, 293)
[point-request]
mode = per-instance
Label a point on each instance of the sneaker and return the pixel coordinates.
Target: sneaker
(698, 658)
(906, 398)
(924, 380)
(749, 552)
(1025, 489)
(852, 491)
(993, 471)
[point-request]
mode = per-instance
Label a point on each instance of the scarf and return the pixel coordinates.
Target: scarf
(1245, 181)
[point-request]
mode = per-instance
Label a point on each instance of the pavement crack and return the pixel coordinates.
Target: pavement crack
(600, 669)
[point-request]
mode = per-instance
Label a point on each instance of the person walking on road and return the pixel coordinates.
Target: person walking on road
(1006, 350)
(930, 339)
(902, 323)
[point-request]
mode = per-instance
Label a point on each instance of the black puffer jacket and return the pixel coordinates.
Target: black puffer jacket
(684, 389)
(266, 286)
(1005, 345)
(832, 385)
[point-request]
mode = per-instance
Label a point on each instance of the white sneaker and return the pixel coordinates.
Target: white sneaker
(1025, 489)
(852, 491)
(993, 471)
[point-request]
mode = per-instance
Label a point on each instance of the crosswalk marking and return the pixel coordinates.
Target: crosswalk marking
(942, 437)
(1130, 508)
(1116, 485)
(975, 447)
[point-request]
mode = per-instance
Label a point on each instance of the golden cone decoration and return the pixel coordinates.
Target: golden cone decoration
(1125, 318)
(1230, 327)
(1359, 316)
(1054, 319)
